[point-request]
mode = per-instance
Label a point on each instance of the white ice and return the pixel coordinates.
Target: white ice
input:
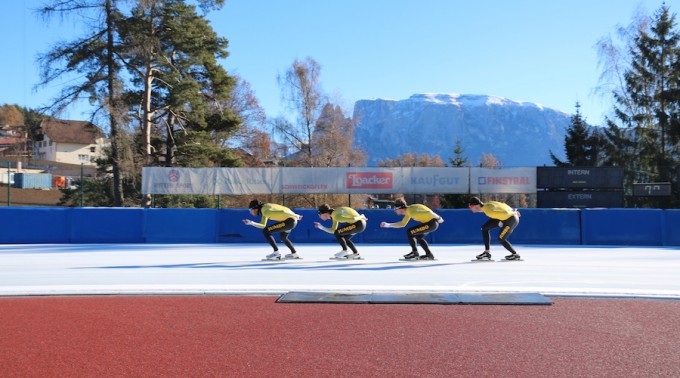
(91, 269)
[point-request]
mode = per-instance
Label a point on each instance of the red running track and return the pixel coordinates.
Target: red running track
(252, 336)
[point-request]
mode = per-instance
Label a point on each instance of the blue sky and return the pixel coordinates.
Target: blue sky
(524, 50)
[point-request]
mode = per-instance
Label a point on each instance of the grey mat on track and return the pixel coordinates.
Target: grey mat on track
(416, 298)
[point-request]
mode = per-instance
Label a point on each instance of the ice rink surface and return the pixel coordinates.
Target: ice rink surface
(205, 269)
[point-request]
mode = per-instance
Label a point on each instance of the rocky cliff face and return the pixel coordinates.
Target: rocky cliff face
(516, 133)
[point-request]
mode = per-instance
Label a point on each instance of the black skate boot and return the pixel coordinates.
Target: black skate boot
(514, 256)
(484, 256)
(411, 256)
(427, 257)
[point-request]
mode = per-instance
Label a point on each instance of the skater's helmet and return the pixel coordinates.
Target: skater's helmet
(255, 204)
(400, 204)
(474, 201)
(325, 209)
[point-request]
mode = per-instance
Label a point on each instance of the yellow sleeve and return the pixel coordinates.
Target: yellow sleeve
(403, 222)
(262, 223)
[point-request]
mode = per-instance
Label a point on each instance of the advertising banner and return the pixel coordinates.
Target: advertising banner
(435, 180)
(345, 180)
(372, 180)
(162, 180)
(311, 180)
(505, 180)
(247, 180)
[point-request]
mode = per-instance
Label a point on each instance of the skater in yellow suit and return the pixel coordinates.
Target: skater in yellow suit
(501, 215)
(286, 221)
(353, 223)
(429, 222)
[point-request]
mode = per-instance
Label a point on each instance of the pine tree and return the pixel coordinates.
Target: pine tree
(94, 59)
(651, 82)
(175, 84)
(644, 138)
(580, 144)
(454, 201)
(459, 159)
(172, 55)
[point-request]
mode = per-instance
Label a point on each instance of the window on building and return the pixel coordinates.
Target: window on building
(93, 149)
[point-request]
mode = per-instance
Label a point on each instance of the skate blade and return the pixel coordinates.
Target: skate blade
(344, 259)
(482, 260)
(512, 260)
(282, 259)
(416, 260)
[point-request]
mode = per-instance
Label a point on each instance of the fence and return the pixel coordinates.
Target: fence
(36, 225)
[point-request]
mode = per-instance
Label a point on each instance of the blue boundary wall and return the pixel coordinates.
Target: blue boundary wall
(632, 226)
(40, 225)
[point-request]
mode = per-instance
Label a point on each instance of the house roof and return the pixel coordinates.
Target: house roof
(64, 131)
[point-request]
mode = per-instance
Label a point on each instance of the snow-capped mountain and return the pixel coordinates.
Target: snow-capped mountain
(516, 133)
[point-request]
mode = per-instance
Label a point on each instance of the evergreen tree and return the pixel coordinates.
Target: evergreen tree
(646, 138)
(652, 84)
(178, 85)
(175, 84)
(455, 201)
(459, 159)
(580, 144)
(94, 60)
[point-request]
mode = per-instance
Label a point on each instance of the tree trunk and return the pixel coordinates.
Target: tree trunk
(170, 142)
(113, 110)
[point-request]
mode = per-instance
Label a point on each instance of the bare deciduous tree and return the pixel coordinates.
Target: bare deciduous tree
(302, 92)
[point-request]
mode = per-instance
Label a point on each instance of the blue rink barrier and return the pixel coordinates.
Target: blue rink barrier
(623, 226)
(671, 223)
(41, 225)
(105, 225)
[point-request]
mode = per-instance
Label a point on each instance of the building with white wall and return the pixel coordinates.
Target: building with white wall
(71, 142)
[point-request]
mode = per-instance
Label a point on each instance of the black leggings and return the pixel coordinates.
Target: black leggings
(418, 233)
(284, 228)
(507, 226)
(344, 234)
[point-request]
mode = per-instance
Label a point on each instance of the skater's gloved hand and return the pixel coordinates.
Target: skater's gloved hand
(248, 222)
(440, 220)
(385, 225)
(298, 216)
(317, 224)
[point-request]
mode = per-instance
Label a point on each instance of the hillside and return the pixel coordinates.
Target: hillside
(516, 133)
